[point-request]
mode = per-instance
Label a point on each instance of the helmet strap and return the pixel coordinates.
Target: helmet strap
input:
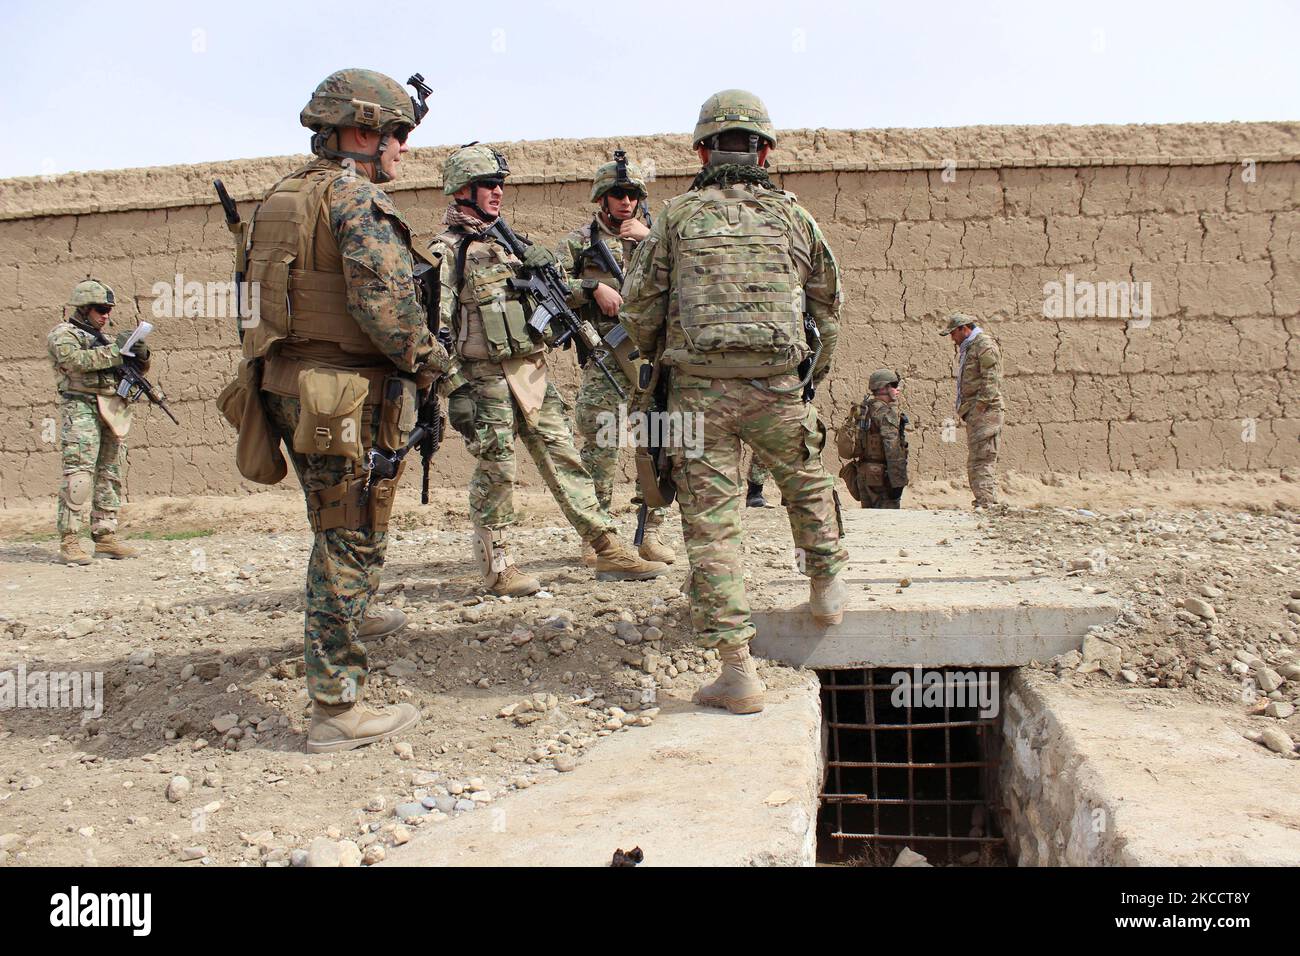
(722, 157)
(320, 147)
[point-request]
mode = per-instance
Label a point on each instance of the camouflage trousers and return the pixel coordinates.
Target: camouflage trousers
(93, 461)
(596, 415)
(497, 421)
(879, 497)
(983, 441)
(758, 475)
(787, 438)
(342, 573)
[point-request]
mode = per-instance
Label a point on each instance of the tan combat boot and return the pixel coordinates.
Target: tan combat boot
(826, 598)
(617, 562)
(737, 688)
(348, 726)
(107, 546)
(500, 575)
(71, 551)
(653, 547)
(588, 555)
(380, 623)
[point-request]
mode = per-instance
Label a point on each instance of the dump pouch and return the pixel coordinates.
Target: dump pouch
(257, 452)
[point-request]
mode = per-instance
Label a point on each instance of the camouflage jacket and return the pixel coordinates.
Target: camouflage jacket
(374, 242)
(651, 309)
(571, 249)
(79, 364)
(979, 377)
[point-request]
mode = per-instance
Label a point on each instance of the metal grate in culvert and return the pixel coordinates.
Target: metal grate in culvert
(909, 766)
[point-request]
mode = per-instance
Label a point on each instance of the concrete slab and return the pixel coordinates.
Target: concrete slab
(1141, 777)
(687, 790)
(966, 602)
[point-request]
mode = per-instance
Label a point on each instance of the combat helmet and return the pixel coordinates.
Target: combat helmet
(471, 163)
(89, 292)
(620, 172)
(733, 110)
(880, 378)
(367, 100)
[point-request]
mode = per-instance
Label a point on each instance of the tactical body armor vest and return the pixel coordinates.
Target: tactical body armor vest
(99, 382)
(738, 279)
(491, 322)
(304, 320)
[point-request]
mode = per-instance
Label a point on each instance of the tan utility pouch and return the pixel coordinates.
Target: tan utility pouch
(257, 453)
(849, 475)
(116, 413)
(330, 420)
(398, 411)
(846, 438)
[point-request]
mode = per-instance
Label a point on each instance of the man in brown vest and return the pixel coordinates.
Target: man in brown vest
(341, 348)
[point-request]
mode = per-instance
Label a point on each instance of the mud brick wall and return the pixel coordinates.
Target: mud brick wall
(922, 221)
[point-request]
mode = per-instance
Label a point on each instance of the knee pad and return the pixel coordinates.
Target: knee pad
(77, 489)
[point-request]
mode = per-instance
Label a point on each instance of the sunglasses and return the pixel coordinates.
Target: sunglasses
(102, 309)
(618, 192)
(400, 133)
(493, 183)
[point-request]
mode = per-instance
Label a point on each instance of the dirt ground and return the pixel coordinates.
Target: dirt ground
(199, 643)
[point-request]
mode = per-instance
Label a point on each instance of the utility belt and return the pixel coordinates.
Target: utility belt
(731, 365)
(84, 396)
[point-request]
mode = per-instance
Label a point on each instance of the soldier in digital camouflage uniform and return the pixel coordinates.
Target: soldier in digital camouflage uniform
(597, 299)
(979, 403)
(873, 442)
(356, 311)
(94, 456)
(722, 285)
(511, 396)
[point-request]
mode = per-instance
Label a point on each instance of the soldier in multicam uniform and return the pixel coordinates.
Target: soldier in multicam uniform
(722, 285)
(979, 403)
(353, 332)
(504, 360)
(94, 454)
(597, 299)
(873, 443)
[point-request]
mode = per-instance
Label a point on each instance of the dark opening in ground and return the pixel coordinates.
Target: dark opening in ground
(911, 760)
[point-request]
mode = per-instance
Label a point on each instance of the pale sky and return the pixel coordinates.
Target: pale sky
(106, 85)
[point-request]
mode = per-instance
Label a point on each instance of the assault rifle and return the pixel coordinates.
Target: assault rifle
(131, 383)
(550, 295)
(235, 226)
(653, 473)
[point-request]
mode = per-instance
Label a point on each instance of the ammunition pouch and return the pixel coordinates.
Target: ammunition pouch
(331, 403)
(257, 452)
(398, 413)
